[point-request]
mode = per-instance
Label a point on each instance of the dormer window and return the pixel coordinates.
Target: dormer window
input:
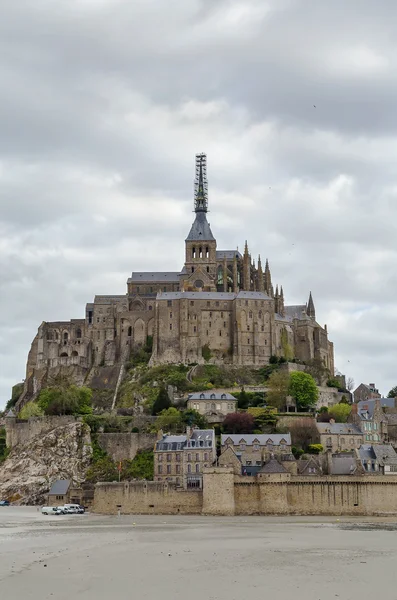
(223, 396)
(212, 396)
(202, 395)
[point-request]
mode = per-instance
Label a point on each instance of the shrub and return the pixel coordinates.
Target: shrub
(169, 420)
(162, 401)
(340, 412)
(297, 452)
(333, 382)
(304, 432)
(315, 448)
(279, 384)
(206, 352)
(31, 409)
(193, 417)
(65, 400)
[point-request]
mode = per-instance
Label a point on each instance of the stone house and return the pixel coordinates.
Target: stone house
(371, 420)
(310, 466)
(254, 450)
(59, 492)
(378, 458)
(366, 392)
(339, 437)
(180, 459)
(213, 405)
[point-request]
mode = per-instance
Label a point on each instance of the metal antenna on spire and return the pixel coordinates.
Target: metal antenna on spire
(201, 184)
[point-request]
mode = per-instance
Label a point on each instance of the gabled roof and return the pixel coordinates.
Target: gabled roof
(273, 466)
(338, 428)
(202, 435)
(385, 454)
(60, 487)
(367, 406)
(230, 254)
(304, 465)
(343, 465)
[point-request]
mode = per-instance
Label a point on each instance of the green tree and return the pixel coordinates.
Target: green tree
(169, 419)
(65, 400)
(194, 418)
(141, 467)
(206, 352)
(103, 469)
(392, 393)
(340, 412)
(288, 353)
(243, 399)
(315, 448)
(303, 388)
(278, 383)
(238, 423)
(31, 409)
(333, 382)
(162, 401)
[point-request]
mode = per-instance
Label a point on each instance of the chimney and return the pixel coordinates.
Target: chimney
(160, 434)
(332, 421)
(354, 408)
(188, 431)
(372, 386)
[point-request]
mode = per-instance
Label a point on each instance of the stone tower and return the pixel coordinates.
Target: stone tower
(200, 244)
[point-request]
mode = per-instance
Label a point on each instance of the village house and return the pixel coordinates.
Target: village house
(213, 405)
(339, 437)
(366, 392)
(179, 459)
(378, 458)
(254, 450)
(371, 420)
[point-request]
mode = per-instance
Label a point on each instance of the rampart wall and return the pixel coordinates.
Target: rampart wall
(20, 431)
(124, 446)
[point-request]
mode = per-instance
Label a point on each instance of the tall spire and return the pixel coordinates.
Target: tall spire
(246, 268)
(268, 279)
(235, 274)
(201, 184)
(310, 310)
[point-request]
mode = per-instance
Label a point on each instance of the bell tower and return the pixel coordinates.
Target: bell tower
(200, 256)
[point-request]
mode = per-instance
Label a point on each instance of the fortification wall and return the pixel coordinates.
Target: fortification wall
(124, 446)
(22, 432)
(145, 498)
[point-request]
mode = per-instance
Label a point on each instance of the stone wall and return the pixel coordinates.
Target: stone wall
(19, 431)
(124, 446)
(145, 498)
(269, 494)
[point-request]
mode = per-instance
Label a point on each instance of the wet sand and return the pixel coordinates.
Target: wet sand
(95, 557)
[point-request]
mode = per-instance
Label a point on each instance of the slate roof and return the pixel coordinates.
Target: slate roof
(154, 276)
(206, 396)
(385, 454)
(171, 442)
(196, 295)
(60, 487)
(343, 465)
(262, 438)
(303, 466)
(108, 299)
(295, 310)
(273, 466)
(202, 435)
(369, 405)
(340, 428)
(253, 295)
(230, 254)
(200, 229)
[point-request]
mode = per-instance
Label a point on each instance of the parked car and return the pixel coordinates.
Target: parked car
(50, 510)
(4, 503)
(75, 508)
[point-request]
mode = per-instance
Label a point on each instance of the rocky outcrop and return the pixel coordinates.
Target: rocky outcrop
(30, 469)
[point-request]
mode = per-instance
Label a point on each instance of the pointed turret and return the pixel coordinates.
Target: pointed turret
(235, 275)
(281, 303)
(224, 273)
(246, 268)
(261, 285)
(310, 310)
(268, 279)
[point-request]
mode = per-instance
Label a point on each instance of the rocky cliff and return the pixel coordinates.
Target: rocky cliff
(63, 453)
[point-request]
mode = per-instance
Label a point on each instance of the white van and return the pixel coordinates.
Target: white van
(74, 508)
(50, 510)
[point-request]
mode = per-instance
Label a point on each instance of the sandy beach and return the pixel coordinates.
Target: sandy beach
(94, 557)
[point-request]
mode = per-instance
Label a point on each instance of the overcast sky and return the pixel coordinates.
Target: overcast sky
(103, 105)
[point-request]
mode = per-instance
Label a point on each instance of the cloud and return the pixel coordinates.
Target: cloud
(102, 108)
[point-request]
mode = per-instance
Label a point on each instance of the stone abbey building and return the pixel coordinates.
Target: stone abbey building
(220, 306)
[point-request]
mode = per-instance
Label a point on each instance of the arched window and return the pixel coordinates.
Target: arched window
(78, 333)
(197, 468)
(260, 314)
(213, 407)
(193, 252)
(207, 252)
(202, 395)
(63, 354)
(74, 353)
(150, 307)
(250, 314)
(49, 335)
(212, 396)
(129, 331)
(200, 252)
(65, 337)
(223, 396)
(189, 468)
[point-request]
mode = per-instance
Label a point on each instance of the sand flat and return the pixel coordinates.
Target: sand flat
(96, 557)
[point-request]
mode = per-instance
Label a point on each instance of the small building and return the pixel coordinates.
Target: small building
(310, 466)
(340, 437)
(213, 405)
(378, 458)
(254, 450)
(344, 463)
(366, 392)
(59, 492)
(180, 459)
(370, 418)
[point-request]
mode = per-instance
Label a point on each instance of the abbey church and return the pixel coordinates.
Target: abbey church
(220, 306)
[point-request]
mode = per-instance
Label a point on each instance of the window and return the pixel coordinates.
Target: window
(258, 463)
(256, 447)
(249, 463)
(221, 315)
(205, 455)
(208, 303)
(242, 447)
(90, 317)
(200, 252)
(160, 469)
(262, 328)
(193, 252)
(98, 335)
(165, 288)
(178, 469)
(248, 341)
(129, 331)
(191, 302)
(178, 458)
(168, 457)
(210, 315)
(160, 457)
(194, 329)
(342, 441)
(210, 324)
(97, 319)
(207, 252)
(169, 302)
(250, 314)
(217, 303)
(192, 269)
(168, 469)
(374, 426)
(170, 326)
(197, 468)
(170, 315)
(224, 323)
(220, 333)
(78, 333)
(150, 307)
(189, 457)
(189, 468)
